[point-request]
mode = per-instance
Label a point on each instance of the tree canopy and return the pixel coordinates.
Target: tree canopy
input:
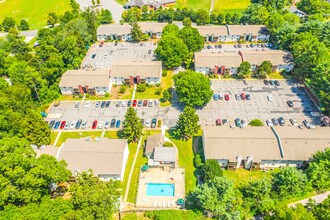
(211, 170)
(187, 124)
(132, 126)
(193, 89)
(244, 69)
(192, 38)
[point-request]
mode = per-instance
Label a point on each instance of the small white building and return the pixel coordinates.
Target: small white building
(107, 158)
(130, 73)
(93, 82)
(261, 147)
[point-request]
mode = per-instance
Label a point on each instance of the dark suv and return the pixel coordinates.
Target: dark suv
(153, 122)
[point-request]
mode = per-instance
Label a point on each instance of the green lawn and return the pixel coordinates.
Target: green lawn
(121, 2)
(68, 98)
(230, 6)
(150, 93)
(186, 160)
(242, 176)
(53, 136)
(66, 135)
(34, 11)
(278, 75)
(194, 4)
(132, 147)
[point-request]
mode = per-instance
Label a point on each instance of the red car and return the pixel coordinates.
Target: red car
(227, 97)
(94, 124)
(218, 122)
(134, 103)
(243, 97)
(145, 103)
(62, 124)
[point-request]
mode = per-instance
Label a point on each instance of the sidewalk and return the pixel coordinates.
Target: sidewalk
(318, 199)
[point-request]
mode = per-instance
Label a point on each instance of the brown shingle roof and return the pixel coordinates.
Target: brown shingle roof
(255, 30)
(276, 57)
(125, 29)
(212, 30)
(227, 59)
(156, 140)
(97, 78)
(144, 69)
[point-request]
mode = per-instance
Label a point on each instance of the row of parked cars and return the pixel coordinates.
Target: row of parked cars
(241, 96)
(129, 103)
(272, 82)
(280, 121)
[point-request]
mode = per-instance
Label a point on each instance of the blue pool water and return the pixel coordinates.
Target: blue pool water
(160, 189)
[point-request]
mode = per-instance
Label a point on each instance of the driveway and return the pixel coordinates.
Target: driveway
(115, 8)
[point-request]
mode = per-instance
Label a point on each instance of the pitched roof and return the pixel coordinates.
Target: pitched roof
(144, 69)
(165, 154)
(97, 78)
(227, 59)
(255, 30)
(298, 144)
(156, 140)
(103, 156)
(276, 57)
(49, 150)
(125, 29)
(212, 30)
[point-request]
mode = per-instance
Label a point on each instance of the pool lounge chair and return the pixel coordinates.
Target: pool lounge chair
(173, 203)
(168, 204)
(164, 204)
(155, 204)
(159, 204)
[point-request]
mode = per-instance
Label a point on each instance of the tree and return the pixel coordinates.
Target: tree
(221, 18)
(283, 212)
(94, 199)
(244, 70)
(228, 18)
(172, 51)
(319, 169)
(24, 25)
(218, 197)
(314, 6)
(289, 181)
(187, 124)
(186, 22)
(256, 122)
(322, 210)
(192, 38)
(257, 195)
(211, 170)
(137, 33)
(122, 88)
(255, 14)
(132, 126)
(170, 29)
(105, 17)
(98, 2)
(275, 22)
(52, 19)
(264, 69)
(202, 17)
(7, 23)
(192, 88)
(141, 87)
(93, 2)
(166, 95)
(291, 18)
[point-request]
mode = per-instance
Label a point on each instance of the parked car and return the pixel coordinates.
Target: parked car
(275, 121)
(149, 51)
(134, 103)
(63, 123)
(140, 103)
(238, 122)
(107, 104)
(93, 56)
(100, 125)
(97, 104)
(281, 121)
(225, 122)
(290, 103)
(307, 124)
(73, 125)
(94, 124)
(77, 104)
(51, 124)
(270, 98)
(266, 82)
(147, 125)
(248, 97)
(102, 104)
(277, 83)
(150, 103)
(293, 122)
(129, 103)
(118, 103)
(245, 82)
(106, 124)
(237, 97)
(142, 122)
(118, 124)
(243, 96)
(123, 104)
(57, 125)
(153, 122)
(244, 122)
(269, 123)
(272, 82)
(218, 122)
(145, 103)
(87, 104)
(67, 125)
(227, 97)
(220, 96)
(157, 103)
(216, 97)
(78, 124)
(83, 125)
(112, 123)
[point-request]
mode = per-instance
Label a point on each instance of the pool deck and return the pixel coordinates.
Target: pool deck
(158, 175)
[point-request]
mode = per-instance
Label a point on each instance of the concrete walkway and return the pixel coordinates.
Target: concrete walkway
(131, 172)
(57, 137)
(134, 91)
(103, 132)
(212, 6)
(318, 199)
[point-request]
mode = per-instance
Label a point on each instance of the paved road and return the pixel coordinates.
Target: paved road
(115, 8)
(29, 35)
(318, 199)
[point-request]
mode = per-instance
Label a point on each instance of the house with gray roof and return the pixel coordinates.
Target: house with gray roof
(163, 156)
(263, 147)
(155, 140)
(107, 158)
(93, 82)
(150, 3)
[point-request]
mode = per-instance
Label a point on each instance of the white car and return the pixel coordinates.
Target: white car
(147, 123)
(83, 125)
(269, 123)
(73, 124)
(156, 102)
(270, 98)
(100, 125)
(87, 104)
(123, 104)
(294, 122)
(67, 125)
(106, 124)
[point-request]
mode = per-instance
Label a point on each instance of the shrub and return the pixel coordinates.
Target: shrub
(87, 95)
(198, 161)
(114, 85)
(141, 87)
(168, 144)
(211, 170)
(107, 94)
(158, 91)
(166, 95)
(122, 89)
(256, 122)
(121, 21)
(164, 73)
(81, 95)
(148, 85)
(158, 84)
(159, 123)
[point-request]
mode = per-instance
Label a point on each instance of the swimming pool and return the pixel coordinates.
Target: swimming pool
(160, 189)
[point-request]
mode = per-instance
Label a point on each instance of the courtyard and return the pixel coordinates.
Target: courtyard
(166, 177)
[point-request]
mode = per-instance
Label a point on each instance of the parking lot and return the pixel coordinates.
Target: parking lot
(259, 106)
(105, 56)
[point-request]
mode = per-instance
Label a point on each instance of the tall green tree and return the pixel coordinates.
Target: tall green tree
(7, 23)
(322, 210)
(170, 29)
(218, 197)
(94, 199)
(314, 6)
(192, 38)
(105, 16)
(193, 89)
(244, 70)
(187, 124)
(264, 69)
(283, 212)
(172, 51)
(137, 33)
(52, 19)
(186, 22)
(275, 22)
(255, 14)
(132, 126)
(24, 25)
(211, 170)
